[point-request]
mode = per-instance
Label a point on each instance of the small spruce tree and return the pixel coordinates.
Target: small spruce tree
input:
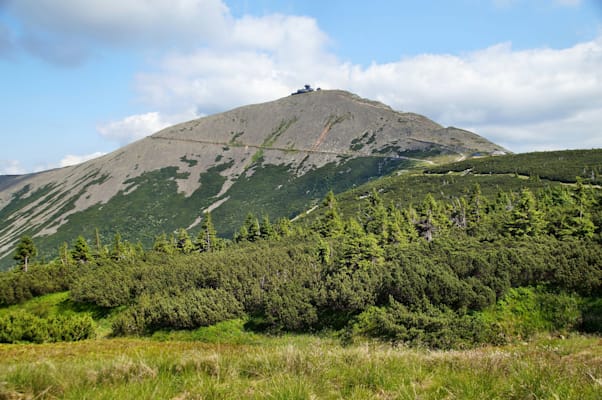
(25, 252)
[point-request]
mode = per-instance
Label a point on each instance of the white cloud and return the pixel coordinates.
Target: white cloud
(11, 167)
(119, 22)
(75, 159)
(138, 126)
(527, 99)
(67, 32)
(523, 99)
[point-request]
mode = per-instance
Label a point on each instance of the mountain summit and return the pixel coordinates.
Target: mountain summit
(276, 158)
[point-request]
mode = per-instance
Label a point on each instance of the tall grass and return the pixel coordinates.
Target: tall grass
(299, 367)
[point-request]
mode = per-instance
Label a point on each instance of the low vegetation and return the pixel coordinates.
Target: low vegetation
(299, 367)
(404, 299)
(563, 166)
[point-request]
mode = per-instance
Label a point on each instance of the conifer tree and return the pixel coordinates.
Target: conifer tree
(81, 250)
(252, 228)
(207, 240)
(581, 223)
(25, 252)
(400, 229)
(119, 249)
(331, 223)
(163, 245)
(359, 250)
(377, 221)
(525, 218)
(183, 242)
(324, 251)
(266, 229)
(64, 254)
(284, 227)
(242, 235)
(475, 210)
(100, 250)
(432, 218)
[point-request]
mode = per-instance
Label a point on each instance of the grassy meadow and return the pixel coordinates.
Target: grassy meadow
(250, 366)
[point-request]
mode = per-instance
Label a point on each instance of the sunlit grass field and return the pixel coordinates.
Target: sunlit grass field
(217, 365)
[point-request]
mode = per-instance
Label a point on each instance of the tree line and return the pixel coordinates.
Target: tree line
(428, 274)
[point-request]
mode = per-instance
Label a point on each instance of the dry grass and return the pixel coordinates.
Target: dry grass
(299, 368)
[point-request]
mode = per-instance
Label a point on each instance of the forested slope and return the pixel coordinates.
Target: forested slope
(441, 261)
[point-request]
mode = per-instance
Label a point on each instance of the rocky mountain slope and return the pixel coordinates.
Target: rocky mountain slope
(276, 158)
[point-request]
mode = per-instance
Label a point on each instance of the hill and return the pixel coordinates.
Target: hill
(279, 158)
(563, 166)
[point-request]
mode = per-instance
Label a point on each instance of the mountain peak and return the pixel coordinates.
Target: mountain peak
(276, 157)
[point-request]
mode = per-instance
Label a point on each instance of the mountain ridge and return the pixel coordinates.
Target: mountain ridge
(328, 130)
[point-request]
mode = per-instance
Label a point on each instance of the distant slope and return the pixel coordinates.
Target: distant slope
(277, 158)
(510, 173)
(562, 166)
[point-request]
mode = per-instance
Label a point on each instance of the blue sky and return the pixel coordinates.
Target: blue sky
(82, 78)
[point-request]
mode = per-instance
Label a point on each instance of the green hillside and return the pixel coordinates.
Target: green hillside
(561, 166)
(475, 263)
(446, 248)
(151, 204)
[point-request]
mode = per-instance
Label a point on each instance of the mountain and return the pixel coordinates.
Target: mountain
(277, 158)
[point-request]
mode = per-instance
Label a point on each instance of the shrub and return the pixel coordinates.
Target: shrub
(22, 326)
(190, 310)
(422, 325)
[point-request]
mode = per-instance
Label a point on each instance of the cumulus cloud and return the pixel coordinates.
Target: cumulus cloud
(260, 59)
(138, 126)
(118, 21)
(523, 99)
(11, 167)
(66, 32)
(78, 159)
(526, 99)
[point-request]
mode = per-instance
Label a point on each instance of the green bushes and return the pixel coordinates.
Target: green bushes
(18, 286)
(188, 310)
(526, 311)
(21, 326)
(423, 325)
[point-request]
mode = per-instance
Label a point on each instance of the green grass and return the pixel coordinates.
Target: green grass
(55, 304)
(298, 368)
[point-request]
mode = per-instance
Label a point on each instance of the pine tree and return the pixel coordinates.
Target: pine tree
(432, 218)
(400, 228)
(266, 229)
(377, 221)
(183, 242)
(101, 251)
(359, 250)
(525, 218)
(81, 250)
(25, 252)
(331, 224)
(284, 227)
(253, 230)
(64, 254)
(242, 235)
(163, 245)
(118, 250)
(207, 240)
(324, 251)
